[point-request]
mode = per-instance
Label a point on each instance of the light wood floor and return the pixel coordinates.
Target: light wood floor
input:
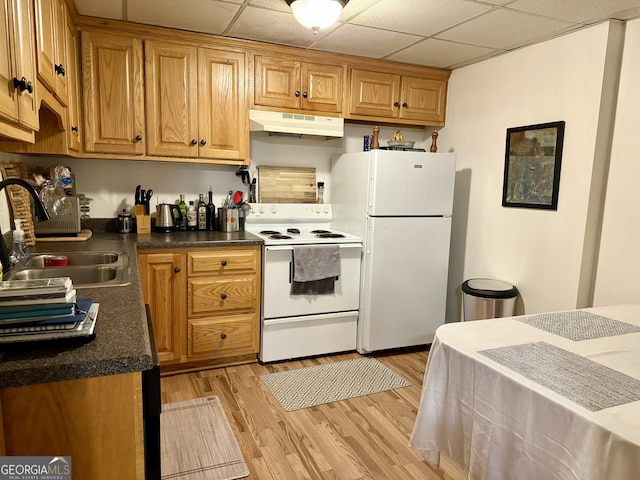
(361, 438)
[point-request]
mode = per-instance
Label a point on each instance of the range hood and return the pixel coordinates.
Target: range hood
(295, 124)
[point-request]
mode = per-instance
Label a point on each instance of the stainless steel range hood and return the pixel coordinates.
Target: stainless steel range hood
(295, 124)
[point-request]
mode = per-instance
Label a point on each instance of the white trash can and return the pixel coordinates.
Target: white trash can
(484, 298)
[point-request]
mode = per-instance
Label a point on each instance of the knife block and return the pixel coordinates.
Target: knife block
(143, 221)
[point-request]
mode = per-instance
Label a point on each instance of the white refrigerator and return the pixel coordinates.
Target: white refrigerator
(401, 204)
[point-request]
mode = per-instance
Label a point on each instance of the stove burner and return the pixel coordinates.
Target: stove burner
(279, 236)
(269, 232)
(293, 230)
(330, 235)
(320, 231)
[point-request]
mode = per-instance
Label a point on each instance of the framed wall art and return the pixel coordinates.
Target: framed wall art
(533, 155)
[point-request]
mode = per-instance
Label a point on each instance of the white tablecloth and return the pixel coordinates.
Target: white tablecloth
(501, 425)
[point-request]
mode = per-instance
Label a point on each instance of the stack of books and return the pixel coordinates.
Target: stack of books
(44, 309)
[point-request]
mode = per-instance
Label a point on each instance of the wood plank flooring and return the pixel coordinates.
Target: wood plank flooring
(361, 438)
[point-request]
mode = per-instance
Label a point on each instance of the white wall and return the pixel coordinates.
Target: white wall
(540, 251)
(618, 270)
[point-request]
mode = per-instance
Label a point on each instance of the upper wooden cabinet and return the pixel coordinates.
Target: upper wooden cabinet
(397, 97)
(196, 101)
(51, 43)
(288, 83)
(18, 105)
(112, 82)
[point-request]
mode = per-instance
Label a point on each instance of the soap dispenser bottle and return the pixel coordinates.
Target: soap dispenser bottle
(20, 249)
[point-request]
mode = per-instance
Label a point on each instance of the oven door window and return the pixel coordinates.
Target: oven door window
(278, 301)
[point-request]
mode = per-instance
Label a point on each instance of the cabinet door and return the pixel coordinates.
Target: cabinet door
(8, 94)
(61, 52)
(163, 277)
(374, 94)
(322, 87)
(277, 82)
(171, 82)
(73, 110)
(45, 13)
(423, 99)
(223, 119)
(17, 61)
(113, 93)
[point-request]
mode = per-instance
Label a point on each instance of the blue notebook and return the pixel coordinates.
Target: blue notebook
(76, 313)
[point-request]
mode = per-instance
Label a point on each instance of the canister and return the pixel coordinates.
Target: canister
(229, 219)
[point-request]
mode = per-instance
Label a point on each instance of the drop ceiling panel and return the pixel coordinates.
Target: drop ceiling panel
(574, 10)
(417, 16)
(364, 41)
(504, 28)
(441, 53)
(208, 16)
(100, 8)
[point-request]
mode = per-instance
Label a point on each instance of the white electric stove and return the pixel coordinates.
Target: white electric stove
(295, 224)
(302, 325)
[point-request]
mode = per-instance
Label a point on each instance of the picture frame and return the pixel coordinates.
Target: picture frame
(533, 156)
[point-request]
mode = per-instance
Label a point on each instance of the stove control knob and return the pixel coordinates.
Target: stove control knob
(317, 208)
(274, 209)
(325, 209)
(261, 209)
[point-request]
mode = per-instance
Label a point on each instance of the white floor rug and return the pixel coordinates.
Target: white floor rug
(197, 442)
(331, 382)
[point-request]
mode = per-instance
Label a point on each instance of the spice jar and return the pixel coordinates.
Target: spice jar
(320, 192)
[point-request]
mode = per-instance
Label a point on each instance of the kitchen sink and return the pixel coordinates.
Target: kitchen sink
(86, 269)
(85, 258)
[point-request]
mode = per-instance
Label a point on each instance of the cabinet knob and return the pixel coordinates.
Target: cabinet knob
(194, 142)
(223, 263)
(177, 269)
(297, 93)
(203, 142)
(223, 296)
(138, 138)
(23, 85)
(396, 104)
(404, 105)
(60, 69)
(223, 336)
(305, 94)
(74, 129)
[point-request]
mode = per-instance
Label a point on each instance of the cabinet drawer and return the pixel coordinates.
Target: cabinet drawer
(220, 262)
(222, 337)
(211, 296)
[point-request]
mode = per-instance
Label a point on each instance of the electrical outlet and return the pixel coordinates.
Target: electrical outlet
(163, 199)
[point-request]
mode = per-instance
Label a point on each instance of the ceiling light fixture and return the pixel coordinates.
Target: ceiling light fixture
(317, 14)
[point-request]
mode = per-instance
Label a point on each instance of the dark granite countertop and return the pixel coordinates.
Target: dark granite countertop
(196, 239)
(121, 343)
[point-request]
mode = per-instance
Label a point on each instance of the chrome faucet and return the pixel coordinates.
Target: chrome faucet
(41, 213)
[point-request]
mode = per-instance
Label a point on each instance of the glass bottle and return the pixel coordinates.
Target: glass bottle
(211, 212)
(202, 213)
(320, 192)
(192, 217)
(183, 208)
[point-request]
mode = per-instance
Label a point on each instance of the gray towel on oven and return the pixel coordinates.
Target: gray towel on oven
(315, 268)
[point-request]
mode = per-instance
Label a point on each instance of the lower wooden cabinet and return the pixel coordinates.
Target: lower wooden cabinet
(205, 303)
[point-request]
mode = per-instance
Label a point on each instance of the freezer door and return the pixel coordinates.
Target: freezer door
(404, 290)
(411, 183)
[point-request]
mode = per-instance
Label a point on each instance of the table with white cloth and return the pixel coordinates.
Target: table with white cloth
(540, 397)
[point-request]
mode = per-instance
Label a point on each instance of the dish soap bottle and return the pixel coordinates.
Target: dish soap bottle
(20, 249)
